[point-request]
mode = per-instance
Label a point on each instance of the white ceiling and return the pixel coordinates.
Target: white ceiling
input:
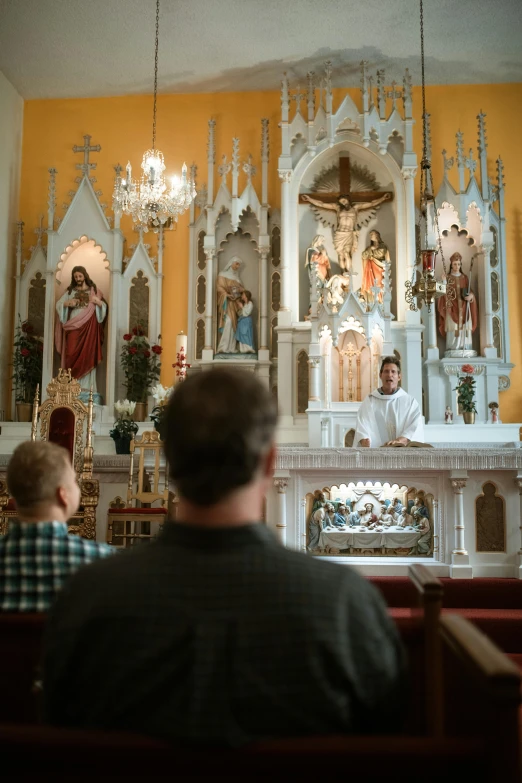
(88, 48)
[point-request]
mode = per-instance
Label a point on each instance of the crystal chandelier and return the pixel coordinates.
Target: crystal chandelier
(424, 287)
(148, 199)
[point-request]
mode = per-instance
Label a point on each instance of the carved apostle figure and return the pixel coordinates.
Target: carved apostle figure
(458, 314)
(374, 260)
(345, 232)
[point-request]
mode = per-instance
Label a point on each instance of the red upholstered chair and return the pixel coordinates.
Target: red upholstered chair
(141, 517)
(67, 421)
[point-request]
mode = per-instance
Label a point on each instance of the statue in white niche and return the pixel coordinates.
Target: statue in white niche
(458, 313)
(229, 290)
(374, 259)
(317, 261)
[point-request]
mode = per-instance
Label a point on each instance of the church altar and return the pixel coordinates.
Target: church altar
(474, 497)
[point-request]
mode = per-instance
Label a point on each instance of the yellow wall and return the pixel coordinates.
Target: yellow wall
(123, 127)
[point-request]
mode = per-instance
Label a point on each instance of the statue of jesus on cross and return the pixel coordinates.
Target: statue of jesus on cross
(347, 206)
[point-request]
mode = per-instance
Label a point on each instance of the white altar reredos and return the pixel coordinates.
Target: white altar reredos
(317, 347)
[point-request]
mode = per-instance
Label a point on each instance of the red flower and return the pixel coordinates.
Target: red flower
(467, 368)
(25, 352)
(133, 350)
(135, 331)
(146, 354)
(27, 328)
(156, 349)
(127, 337)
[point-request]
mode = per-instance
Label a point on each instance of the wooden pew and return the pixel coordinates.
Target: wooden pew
(20, 652)
(481, 694)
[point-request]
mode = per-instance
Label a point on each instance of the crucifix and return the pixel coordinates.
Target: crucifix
(86, 166)
(347, 206)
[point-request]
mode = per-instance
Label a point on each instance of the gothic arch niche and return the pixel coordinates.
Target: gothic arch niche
(199, 340)
(396, 147)
(276, 246)
(201, 291)
(202, 260)
(493, 256)
(302, 381)
(276, 291)
(495, 292)
(490, 520)
(497, 335)
(87, 253)
(273, 337)
(139, 302)
(241, 244)
(354, 366)
(36, 304)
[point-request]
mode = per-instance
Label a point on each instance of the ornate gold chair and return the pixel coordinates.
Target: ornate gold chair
(138, 520)
(67, 421)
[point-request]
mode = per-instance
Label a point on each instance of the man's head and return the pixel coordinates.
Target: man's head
(341, 509)
(344, 202)
(368, 507)
(390, 374)
(219, 435)
(42, 481)
(403, 511)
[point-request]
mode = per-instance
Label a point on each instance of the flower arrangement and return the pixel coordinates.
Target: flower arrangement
(161, 396)
(27, 362)
(124, 427)
(466, 389)
(141, 363)
(181, 365)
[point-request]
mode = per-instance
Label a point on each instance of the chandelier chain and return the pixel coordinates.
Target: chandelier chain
(156, 44)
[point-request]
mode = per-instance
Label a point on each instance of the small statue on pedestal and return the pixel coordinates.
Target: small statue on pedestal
(448, 416)
(493, 406)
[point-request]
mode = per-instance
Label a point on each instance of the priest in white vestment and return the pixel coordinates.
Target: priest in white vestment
(389, 416)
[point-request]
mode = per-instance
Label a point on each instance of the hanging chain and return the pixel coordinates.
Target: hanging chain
(156, 41)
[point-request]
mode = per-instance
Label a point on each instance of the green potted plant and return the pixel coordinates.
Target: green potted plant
(142, 366)
(161, 396)
(125, 428)
(466, 394)
(27, 368)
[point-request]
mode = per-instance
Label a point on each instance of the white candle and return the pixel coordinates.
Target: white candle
(181, 343)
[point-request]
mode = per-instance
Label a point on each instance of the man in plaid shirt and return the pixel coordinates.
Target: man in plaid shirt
(37, 554)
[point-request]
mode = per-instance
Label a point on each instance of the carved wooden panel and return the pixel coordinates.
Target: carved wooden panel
(276, 291)
(274, 338)
(202, 261)
(200, 337)
(276, 246)
(36, 304)
(497, 336)
(139, 302)
(495, 292)
(201, 291)
(302, 382)
(490, 520)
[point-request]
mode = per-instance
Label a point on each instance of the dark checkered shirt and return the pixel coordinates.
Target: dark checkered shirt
(222, 636)
(36, 559)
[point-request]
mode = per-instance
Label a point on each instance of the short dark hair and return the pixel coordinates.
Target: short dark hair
(390, 360)
(35, 471)
(219, 424)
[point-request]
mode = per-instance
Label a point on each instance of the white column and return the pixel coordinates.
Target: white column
(209, 298)
(286, 246)
(518, 574)
(281, 485)
(263, 296)
(460, 567)
(315, 379)
(489, 350)
(432, 329)
(324, 434)
(436, 536)
(303, 525)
